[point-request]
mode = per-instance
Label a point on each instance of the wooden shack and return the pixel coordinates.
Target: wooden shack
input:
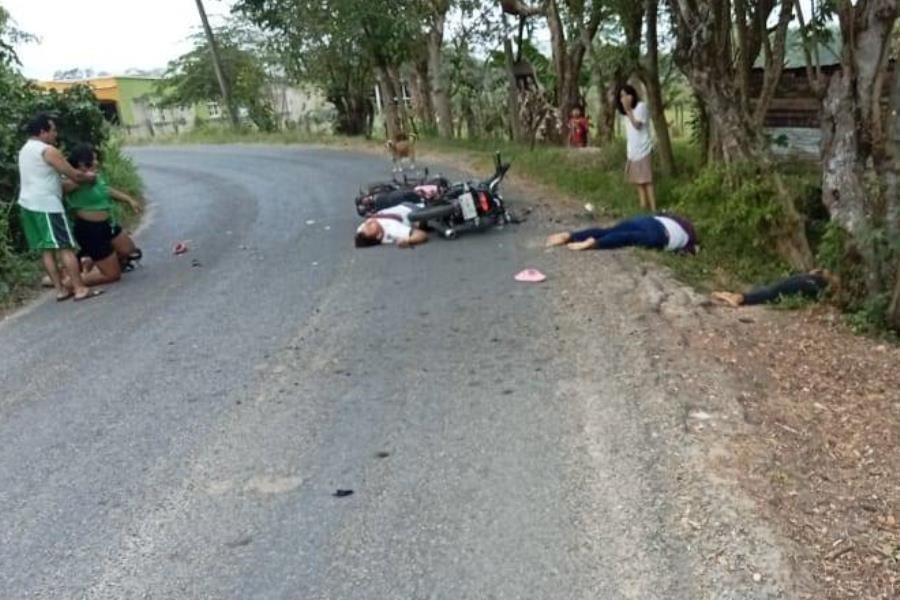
(793, 118)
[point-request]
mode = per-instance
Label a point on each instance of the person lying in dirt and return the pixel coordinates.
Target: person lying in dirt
(812, 286)
(659, 232)
(106, 247)
(390, 226)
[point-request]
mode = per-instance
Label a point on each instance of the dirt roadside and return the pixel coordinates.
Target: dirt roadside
(785, 425)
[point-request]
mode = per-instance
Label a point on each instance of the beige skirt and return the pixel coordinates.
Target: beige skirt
(640, 172)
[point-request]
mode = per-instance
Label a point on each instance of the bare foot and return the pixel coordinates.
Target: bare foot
(588, 244)
(558, 239)
(728, 298)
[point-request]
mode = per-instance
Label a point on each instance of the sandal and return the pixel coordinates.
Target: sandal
(88, 296)
(130, 260)
(64, 296)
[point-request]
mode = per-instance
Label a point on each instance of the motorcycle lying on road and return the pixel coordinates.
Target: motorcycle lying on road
(378, 196)
(467, 207)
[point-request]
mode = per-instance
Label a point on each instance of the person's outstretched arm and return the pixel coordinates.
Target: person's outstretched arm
(415, 238)
(125, 198)
(54, 158)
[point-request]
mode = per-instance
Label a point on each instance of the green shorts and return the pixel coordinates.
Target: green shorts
(46, 231)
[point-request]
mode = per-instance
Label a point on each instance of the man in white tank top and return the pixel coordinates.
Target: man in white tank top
(41, 208)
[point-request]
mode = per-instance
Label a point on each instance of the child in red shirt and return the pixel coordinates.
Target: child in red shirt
(578, 129)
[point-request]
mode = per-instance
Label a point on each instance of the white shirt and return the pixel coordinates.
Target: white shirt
(394, 230)
(41, 187)
(640, 144)
(678, 237)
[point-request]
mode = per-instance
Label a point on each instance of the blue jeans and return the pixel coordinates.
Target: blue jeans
(646, 232)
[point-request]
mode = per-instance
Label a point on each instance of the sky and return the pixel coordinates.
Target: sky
(106, 35)
(110, 35)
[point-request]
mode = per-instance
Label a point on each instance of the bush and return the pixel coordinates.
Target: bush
(736, 219)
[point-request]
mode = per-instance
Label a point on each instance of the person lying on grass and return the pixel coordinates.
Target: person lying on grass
(390, 226)
(811, 286)
(106, 248)
(659, 232)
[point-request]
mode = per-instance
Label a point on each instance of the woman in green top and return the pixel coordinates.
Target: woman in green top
(100, 237)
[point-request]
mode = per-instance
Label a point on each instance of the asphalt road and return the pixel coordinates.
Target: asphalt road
(182, 436)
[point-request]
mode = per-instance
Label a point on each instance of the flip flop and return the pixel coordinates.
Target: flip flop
(530, 276)
(88, 296)
(65, 296)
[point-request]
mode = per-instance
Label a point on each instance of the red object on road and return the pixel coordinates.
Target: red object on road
(180, 248)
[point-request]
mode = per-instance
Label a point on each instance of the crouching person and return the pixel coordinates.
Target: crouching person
(390, 226)
(100, 237)
(659, 232)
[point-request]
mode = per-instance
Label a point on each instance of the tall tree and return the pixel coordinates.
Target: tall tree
(573, 25)
(216, 60)
(190, 78)
(857, 148)
(343, 45)
(653, 83)
(436, 18)
(705, 31)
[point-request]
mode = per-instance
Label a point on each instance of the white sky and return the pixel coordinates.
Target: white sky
(111, 35)
(106, 35)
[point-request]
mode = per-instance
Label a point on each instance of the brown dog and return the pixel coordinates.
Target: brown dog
(402, 149)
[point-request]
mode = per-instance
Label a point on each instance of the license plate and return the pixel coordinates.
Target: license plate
(467, 204)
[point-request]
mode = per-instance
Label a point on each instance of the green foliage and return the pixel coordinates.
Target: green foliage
(190, 79)
(77, 115)
(869, 316)
(338, 44)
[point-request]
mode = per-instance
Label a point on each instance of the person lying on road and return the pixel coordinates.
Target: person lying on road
(812, 286)
(660, 232)
(390, 226)
(103, 242)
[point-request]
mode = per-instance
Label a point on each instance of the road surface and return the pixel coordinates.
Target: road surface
(183, 435)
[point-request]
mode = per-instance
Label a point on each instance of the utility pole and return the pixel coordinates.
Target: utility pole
(217, 65)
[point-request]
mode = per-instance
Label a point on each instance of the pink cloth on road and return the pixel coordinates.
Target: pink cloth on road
(530, 276)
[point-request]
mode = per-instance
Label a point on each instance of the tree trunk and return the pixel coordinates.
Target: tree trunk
(352, 113)
(853, 139)
(654, 91)
(421, 94)
(392, 120)
(512, 91)
(774, 62)
(703, 129)
(564, 100)
(441, 98)
(735, 137)
(606, 108)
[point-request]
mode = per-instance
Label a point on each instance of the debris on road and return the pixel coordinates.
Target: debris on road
(180, 247)
(530, 276)
(342, 493)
